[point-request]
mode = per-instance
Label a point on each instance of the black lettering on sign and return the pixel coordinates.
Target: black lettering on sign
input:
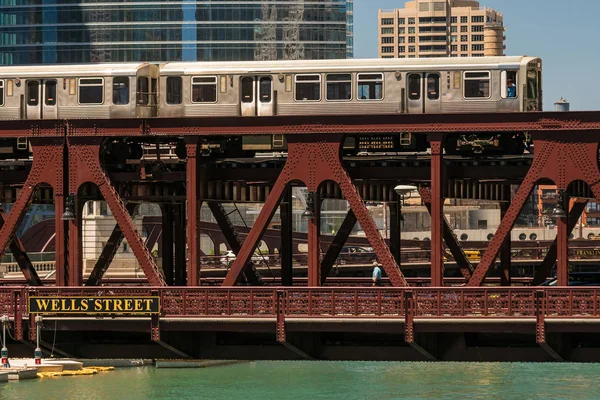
(139, 305)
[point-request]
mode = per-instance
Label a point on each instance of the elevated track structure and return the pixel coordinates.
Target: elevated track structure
(68, 163)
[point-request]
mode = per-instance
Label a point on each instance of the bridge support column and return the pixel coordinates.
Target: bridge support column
(193, 211)
(395, 229)
(562, 250)
(437, 209)
(314, 244)
(287, 248)
(505, 252)
(179, 238)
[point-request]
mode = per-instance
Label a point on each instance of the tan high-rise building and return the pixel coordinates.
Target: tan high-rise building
(441, 28)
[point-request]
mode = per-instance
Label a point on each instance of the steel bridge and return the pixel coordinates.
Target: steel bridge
(68, 163)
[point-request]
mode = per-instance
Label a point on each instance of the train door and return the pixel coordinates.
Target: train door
(40, 99)
(424, 93)
(257, 96)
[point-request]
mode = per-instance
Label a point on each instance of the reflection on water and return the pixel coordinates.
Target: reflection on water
(324, 380)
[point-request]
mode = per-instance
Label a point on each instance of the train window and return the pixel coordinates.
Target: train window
(265, 90)
(33, 93)
(1, 92)
(509, 85)
(204, 89)
(143, 90)
(121, 90)
(247, 89)
(91, 90)
(50, 96)
(174, 90)
(308, 87)
(477, 84)
(414, 87)
(532, 85)
(370, 86)
(433, 87)
(339, 87)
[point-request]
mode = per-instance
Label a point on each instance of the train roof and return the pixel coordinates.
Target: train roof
(396, 64)
(70, 70)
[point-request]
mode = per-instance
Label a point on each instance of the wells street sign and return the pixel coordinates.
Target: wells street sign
(122, 305)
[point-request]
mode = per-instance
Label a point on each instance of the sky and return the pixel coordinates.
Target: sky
(571, 61)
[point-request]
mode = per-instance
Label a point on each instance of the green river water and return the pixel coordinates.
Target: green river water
(324, 380)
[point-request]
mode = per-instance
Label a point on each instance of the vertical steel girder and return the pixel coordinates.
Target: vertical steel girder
(167, 243)
(465, 266)
(395, 229)
(47, 167)
(18, 251)
(337, 244)
(543, 270)
(108, 252)
(505, 252)
(179, 238)
(437, 209)
(84, 166)
(233, 240)
(563, 157)
(193, 189)
(314, 159)
(287, 244)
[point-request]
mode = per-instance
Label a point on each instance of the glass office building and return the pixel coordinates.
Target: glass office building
(81, 31)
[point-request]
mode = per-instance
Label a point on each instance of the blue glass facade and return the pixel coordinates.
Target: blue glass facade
(80, 31)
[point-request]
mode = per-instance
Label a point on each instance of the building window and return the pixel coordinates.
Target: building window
(453, 29)
(387, 21)
(120, 90)
(477, 84)
(401, 31)
(411, 39)
(464, 38)
(464, 55)
(464, 20)
(387, 49)
(308, 87)
(386, 40)
(453, 39)
(411, 30)
(439, 6)
(370, 86)
(91, 91)
(454, 47)
(477, 28)
(464, 29)
(464, 47)
(387, 56)
(411, 49)
(411, 21)
(401, 49)
(477, 47)
(401, 39)
(477, 38)
(453, 20)
(204, 89)
(401, 21)
(339, 87)
(477, 55)
(174, 90)
(423, 7)
(387, 31)
(477, 18)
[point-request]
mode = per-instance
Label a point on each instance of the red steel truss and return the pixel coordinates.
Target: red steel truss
(67, 157)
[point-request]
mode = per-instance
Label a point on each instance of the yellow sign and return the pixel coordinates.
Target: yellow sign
(135, 305)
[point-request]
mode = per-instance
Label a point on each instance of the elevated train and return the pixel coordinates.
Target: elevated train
(280, 88)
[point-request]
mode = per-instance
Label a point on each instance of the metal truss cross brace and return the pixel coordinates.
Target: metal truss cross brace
(563, 157)
(18, 251)
(337, 244)
(314, 160)
(84, 160)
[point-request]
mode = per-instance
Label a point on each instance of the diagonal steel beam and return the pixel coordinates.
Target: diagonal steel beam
(234, 241)
(466, 268)
(18, 251)
(336, 245)
(544, 269)
(109, 251)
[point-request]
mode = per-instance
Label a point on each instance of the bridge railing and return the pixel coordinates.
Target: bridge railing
(374, 302)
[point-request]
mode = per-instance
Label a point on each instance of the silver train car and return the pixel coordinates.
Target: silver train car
(283, 88)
